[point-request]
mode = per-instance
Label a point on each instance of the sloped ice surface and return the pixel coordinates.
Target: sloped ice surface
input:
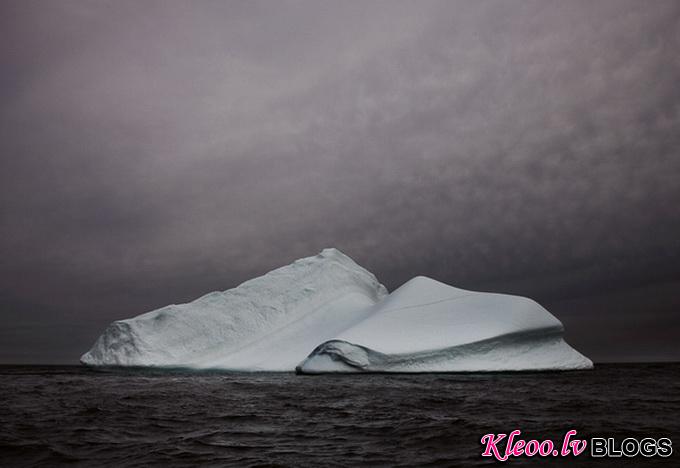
(330, 306)
(269, 323)
(428, 326)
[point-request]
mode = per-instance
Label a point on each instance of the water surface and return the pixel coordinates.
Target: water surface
(51, 416)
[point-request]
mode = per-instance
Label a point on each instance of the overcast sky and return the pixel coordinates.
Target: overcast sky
(153, 151)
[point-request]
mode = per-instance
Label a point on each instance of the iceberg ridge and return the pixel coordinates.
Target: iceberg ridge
(267, 323)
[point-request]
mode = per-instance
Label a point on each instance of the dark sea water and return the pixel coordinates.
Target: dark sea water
(53, 416)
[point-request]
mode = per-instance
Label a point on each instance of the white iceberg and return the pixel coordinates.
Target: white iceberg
(269, 323)
(330, 306)
(428, 326)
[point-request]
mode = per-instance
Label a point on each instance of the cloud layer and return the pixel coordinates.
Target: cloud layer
(153, 151)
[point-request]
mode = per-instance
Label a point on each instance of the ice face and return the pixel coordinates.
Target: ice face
(330, 306)
(268, 323)
(428, 326)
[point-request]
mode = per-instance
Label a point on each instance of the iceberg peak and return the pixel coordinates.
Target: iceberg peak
(267, 323)
(330, 252)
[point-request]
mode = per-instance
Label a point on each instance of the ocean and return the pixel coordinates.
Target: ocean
(70, 415)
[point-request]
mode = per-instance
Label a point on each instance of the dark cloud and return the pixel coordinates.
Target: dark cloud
(153, 151)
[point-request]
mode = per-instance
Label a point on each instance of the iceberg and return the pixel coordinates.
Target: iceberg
(269, 323)
(326, 314)
(428, 326)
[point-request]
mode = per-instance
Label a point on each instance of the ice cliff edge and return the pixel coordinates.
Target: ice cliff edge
(329, 306)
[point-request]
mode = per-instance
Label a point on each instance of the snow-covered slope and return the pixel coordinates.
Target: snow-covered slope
(330, 306)
(428, 326)
(268, 323)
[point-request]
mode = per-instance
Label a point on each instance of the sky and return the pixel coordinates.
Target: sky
(154, 151)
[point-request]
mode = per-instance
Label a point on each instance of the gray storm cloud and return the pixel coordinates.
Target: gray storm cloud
(153, 151)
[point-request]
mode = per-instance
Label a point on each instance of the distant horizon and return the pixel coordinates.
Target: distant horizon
(228, 371)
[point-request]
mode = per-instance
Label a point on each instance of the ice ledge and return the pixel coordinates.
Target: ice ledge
(535, 351)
